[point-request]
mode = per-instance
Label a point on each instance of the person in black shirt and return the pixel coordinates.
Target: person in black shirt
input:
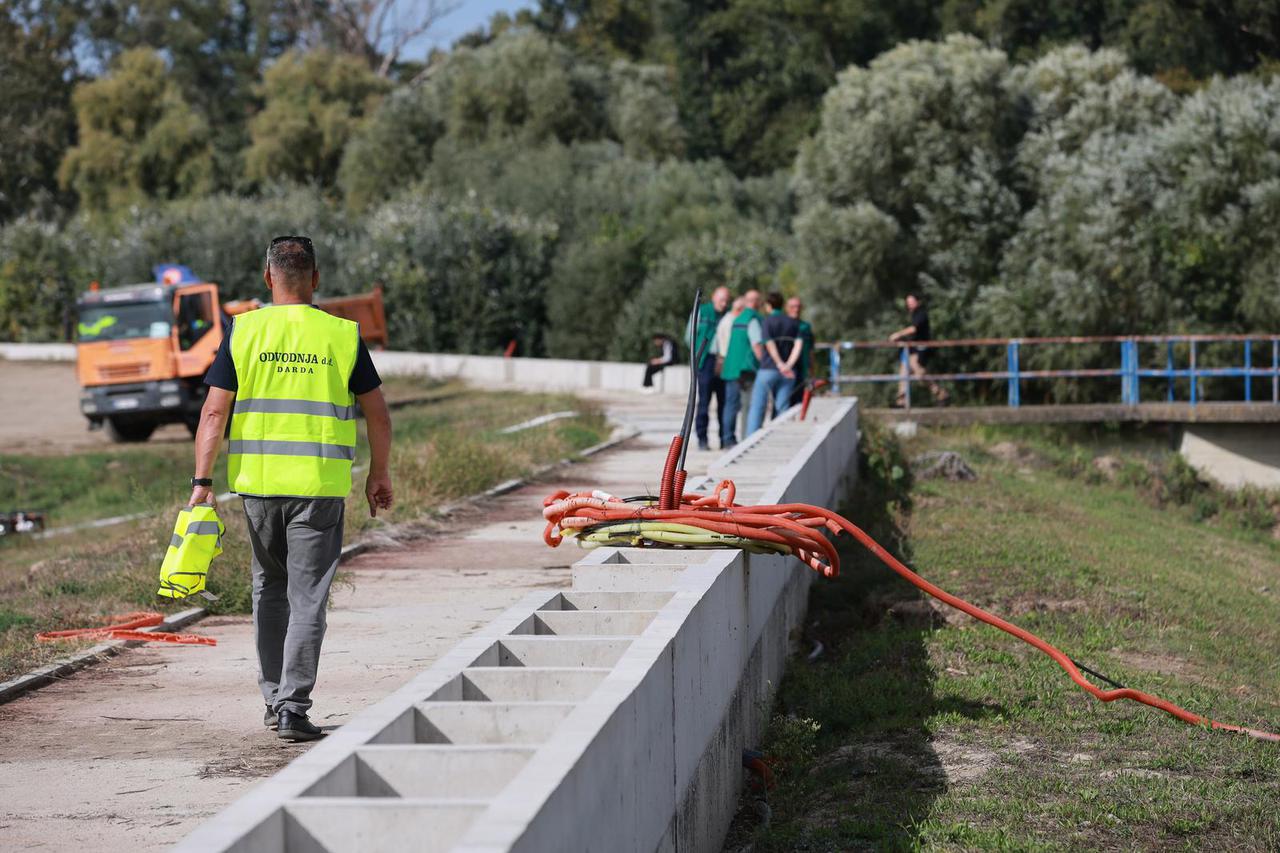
(665, 346)
(918, 358)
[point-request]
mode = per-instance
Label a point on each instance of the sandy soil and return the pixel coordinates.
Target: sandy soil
(40, 411)
(132, 754)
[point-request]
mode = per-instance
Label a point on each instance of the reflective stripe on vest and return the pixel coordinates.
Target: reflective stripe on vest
(740, 358)
(293, 428)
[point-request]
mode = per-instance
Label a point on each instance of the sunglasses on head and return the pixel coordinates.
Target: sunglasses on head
(292, 238)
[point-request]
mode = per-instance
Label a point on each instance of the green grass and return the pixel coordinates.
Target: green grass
(442, 451)
(954, 735)
(83, 486)
(124, 480)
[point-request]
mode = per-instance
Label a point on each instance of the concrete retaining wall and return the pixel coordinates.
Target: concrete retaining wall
(541, 374)
(608, 716)
(530, 374)
(38, 352)
(1235, 454)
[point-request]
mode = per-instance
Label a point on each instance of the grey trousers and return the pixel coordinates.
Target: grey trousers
(296, 543)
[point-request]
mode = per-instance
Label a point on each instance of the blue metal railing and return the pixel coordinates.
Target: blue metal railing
(1130, 372)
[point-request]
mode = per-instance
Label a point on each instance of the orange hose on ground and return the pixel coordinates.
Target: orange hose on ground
(797, 526)
(126, 628)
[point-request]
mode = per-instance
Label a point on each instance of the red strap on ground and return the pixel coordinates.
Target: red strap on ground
(127, 627)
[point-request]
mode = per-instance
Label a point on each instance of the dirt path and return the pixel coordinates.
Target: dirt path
(40, 411)
(132, 754)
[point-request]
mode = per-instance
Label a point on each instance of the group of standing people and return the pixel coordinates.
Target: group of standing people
(747, 345)
(762, 349)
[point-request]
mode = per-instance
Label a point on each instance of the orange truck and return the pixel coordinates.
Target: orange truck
(143, 350)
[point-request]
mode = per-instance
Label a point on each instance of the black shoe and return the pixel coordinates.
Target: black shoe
(271, 719)
(702, 445)
(297, 727)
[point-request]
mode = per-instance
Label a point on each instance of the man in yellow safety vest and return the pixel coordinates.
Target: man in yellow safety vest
(288, 377)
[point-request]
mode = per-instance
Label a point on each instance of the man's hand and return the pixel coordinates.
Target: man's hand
(787, 372)
(202, 495)
(377, 488)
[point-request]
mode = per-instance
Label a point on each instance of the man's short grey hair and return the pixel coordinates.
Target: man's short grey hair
(294, 259)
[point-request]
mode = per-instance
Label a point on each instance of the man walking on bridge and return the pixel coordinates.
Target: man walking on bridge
(288, 377)
(918, 357)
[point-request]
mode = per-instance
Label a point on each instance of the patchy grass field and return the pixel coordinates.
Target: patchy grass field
(922, 728)
(442, 451)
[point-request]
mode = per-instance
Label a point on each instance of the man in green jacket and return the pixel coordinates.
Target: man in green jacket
(710, 385)
(740, 360)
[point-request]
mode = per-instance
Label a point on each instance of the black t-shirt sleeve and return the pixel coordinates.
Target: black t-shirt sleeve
(920, 319)
(364, 376)
(222, 373)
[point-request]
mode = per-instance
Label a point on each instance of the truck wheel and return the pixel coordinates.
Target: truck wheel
(123, 432)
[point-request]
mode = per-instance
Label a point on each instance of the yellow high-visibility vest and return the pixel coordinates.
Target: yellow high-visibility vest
(293, 428)
(196, 540)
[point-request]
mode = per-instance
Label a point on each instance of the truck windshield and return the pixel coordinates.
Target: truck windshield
(125, 320)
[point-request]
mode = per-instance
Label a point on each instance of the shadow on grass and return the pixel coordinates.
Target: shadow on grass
(849, 740)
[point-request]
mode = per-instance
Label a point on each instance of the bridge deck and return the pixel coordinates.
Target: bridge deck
(1183, 413)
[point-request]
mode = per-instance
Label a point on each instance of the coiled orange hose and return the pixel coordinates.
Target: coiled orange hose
(798, 526)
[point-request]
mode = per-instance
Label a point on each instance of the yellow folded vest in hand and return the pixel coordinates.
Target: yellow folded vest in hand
(197, 539)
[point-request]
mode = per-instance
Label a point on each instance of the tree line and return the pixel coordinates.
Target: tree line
(566, 176)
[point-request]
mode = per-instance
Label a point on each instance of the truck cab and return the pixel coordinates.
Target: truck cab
(143, 352)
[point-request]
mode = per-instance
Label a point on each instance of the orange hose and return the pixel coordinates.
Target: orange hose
(797, 526)
(126, 628)
(666, 492)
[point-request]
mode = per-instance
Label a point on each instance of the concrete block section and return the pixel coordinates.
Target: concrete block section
(589, 623)
(513, 723)
(356, 825)
(520, 684)
(423, 772)
(608, 600)
(554, 651)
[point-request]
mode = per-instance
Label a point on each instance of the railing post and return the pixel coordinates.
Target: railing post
(1275, 370)
(1248, 371)
(1194, 394)
(1169, 369)
(833, 361)
(904, 369)
(1015, 391)
(1129, 372)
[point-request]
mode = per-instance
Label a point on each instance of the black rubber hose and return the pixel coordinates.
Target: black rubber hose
(693, 381)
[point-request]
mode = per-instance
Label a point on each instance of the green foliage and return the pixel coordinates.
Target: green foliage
(224, 239)
(41, 272)
(314, 103)
(905, 182)
(883, 467)
(507, 98)
(36, 124)
(460, 277)
(742, 257)
(396, 141)
(139, 139)
(1147, 226)
(751, 73)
